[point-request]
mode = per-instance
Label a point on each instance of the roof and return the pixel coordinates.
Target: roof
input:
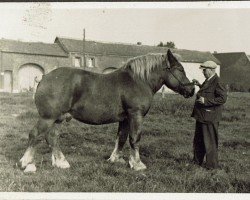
(248, 56)
(35, 48)
(196, 56)
(129, 50)
(229, 59)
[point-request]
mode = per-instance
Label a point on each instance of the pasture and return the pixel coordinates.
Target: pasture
(166, 149)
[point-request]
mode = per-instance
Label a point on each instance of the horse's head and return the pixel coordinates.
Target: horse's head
(175, 77)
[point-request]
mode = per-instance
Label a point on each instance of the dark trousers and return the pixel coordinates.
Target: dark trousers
(206, 143)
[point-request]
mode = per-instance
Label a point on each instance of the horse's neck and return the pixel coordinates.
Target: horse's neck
(155, 83)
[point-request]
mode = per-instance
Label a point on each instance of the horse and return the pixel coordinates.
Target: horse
(122, 96)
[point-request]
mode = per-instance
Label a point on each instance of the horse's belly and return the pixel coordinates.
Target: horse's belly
(97, 115)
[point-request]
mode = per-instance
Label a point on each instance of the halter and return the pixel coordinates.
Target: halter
(180, 82)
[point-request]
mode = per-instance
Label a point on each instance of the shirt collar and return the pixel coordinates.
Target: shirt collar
(210, 77)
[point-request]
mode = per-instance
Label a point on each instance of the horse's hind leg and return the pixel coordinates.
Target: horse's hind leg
(27, 161)
(58, 159)
(122, 136)
(135, 121)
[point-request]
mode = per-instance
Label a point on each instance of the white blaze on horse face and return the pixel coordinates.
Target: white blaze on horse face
(27, 157)
(58, 160)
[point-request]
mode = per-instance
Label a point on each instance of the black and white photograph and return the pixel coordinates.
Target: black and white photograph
(124, 100)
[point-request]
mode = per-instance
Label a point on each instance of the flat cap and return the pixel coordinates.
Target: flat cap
(209, 65)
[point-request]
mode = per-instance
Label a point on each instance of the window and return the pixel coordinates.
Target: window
(77, 62)
(91, 62)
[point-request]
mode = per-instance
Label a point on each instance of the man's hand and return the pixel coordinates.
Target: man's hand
(201, 100)
(195, 82)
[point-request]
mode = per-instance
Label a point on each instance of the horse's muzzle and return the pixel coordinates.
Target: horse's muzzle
(188, 91)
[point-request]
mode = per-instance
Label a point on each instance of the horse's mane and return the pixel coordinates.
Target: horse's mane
(142, 66)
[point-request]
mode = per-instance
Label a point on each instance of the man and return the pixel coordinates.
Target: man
(36, 81)
(207, 112)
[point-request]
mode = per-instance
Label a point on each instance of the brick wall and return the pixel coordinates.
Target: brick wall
(101, 62)
(13, 61)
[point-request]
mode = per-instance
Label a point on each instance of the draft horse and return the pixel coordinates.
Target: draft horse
(123, 96)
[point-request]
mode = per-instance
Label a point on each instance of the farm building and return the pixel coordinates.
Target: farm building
(235, 70)
(104, 57)
(21, 62)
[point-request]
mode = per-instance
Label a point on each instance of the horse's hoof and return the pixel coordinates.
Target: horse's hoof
(31, 168)
(116, 160)
(63, 164)
(137, 166)
(121, 160)
(60, 162)
(27, 158)
(23, 163)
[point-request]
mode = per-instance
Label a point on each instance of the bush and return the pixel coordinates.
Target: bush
(236, 87)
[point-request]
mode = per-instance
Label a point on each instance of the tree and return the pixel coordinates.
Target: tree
(169, 44)
(160, 45)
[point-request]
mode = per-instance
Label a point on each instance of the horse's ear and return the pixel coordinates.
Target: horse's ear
(172, 60)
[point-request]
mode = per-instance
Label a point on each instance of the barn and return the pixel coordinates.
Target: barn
(21, 62)
(235, 70)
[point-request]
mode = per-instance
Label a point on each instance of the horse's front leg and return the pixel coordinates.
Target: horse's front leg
(58, 159)
(135, 123)
(122, 136)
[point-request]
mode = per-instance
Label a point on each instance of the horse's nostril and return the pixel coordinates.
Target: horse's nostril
(189, 93)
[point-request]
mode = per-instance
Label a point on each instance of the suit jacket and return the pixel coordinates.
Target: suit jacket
(215, 95)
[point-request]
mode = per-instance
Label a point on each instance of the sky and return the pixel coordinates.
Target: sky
(217, 26)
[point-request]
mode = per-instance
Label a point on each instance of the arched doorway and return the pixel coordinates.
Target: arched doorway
(26, 76)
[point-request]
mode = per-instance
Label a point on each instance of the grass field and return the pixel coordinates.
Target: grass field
(166, 149)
